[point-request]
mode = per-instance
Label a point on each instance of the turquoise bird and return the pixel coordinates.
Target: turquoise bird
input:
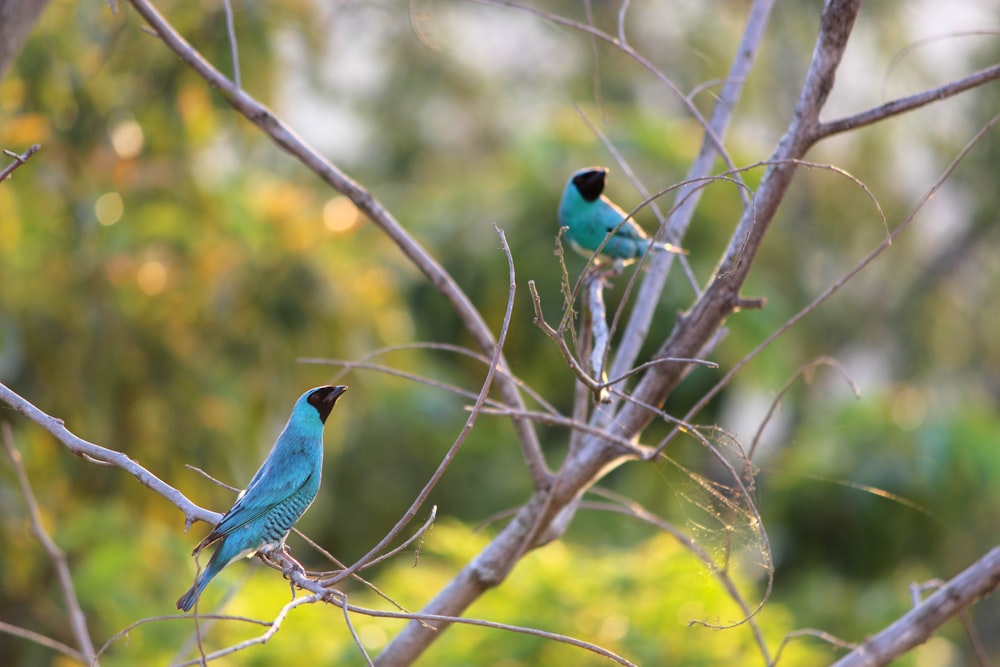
(280, 492)
(588, 217)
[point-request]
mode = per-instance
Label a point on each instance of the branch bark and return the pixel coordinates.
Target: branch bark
(722, 297)
(688, 196)
(978, 580)
(596, 455)
(77, 619)
(103, 455)
(17, 18)
(287, 139)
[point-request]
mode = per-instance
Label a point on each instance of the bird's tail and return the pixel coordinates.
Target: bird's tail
(186, 601)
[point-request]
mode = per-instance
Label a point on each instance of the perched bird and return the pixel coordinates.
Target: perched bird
(589, 216)
(280, 492)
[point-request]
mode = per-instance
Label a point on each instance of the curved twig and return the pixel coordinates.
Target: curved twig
(77, 619)
(287, 139)
(459, 441)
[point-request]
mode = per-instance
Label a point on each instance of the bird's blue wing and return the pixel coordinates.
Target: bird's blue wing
(611, 216)
(263, 494)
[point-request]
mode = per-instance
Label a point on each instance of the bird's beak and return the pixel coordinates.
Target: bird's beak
(324, 398)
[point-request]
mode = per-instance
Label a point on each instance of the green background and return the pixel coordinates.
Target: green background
(164, 268)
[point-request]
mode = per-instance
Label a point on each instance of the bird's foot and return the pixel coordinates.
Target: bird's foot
(605, 272)
(292, 566)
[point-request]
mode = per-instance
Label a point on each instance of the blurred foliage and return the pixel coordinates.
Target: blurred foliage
(163, 267)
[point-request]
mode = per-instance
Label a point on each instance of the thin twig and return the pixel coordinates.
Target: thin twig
(215, 481)
(107, 456)
(689, 106)
(77, 619)
(463, 434)
(273, 628)
(803, 371)
(342, 566)
(554, 636)
(389, 554)
(637, 329)
(18, 160)
(350, 628)
(627, 447)
(904, 104)
(364, 363)
(554, 334)
(847, 277)
(234, 49)
(287, 139)
(810, 632)
(916, 626)
(631, 508)
(41, 640)
(126, 631)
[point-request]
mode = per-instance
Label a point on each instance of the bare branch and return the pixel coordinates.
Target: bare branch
(847, 277)
(103, 455)
(77, 620)
(41, 640)
(234, 48)
(459, 441)
(915, 627)
(804, 371)
(722, 295)
(629, 507)
(688, 198)
(287, 139)
(18, 160)
(447, 620)
(600, 338)
(904, 104)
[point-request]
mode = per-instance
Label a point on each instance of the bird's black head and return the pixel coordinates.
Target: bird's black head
(590, 182)
(323, 398)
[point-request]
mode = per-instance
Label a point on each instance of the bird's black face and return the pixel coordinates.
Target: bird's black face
(323, 399)
(590, 183)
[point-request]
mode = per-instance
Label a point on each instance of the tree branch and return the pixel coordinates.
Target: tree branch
(18, 160)
(103, 455)
(77, 619)
(41, 640)
(721, 297)
(286, 138)
(459, 441)
(978, 580)
(904, 104)
(688, 196)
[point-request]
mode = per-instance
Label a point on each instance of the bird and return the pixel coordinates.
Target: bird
(278, 494)
(588, 217)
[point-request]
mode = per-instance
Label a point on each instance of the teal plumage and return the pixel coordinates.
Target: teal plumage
(589, 216)
(278, 494)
